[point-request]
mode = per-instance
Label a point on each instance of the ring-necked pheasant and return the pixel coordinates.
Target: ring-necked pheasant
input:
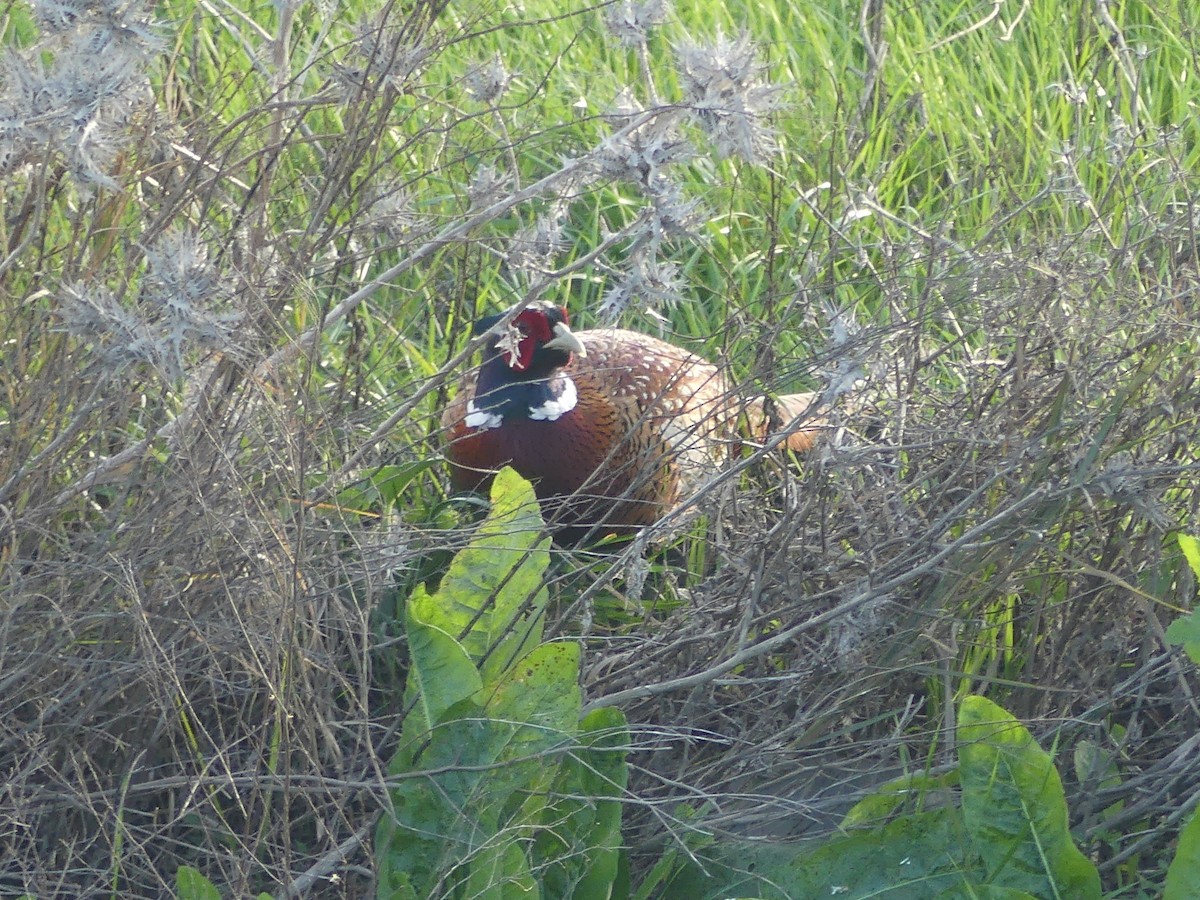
(613, 427)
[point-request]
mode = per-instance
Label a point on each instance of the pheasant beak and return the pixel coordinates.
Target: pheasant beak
(565, 339)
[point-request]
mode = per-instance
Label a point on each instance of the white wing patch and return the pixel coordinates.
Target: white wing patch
(480, 418)
(553, 409)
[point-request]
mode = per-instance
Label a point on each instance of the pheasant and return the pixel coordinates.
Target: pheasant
(613, 427)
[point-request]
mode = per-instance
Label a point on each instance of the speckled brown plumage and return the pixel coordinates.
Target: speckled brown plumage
(650, 425)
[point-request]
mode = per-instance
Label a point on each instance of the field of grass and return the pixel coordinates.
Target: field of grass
(241, 248)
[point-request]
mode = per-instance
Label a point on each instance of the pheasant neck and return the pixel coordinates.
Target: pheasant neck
(500, 396)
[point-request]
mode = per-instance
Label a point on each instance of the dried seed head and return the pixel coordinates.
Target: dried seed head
(672, 215)
(118, 337)
(534, 248)
(384, 52)
(486, 185)
(725, 86)
(392, 212)
(640, 155)
(75, 102)
(648, 278)
(488, 81)
(630, 20)
(183, 284)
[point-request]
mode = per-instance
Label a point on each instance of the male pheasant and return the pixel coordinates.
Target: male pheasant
(613, 427)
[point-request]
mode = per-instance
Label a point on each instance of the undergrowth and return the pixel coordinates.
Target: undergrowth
(240, 254)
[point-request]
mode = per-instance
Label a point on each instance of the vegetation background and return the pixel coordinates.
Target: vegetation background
(240, 251)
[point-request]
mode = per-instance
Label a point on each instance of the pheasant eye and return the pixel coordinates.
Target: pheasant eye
(536, 324)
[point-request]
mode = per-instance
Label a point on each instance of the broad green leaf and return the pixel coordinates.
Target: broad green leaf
(440, 675)
(541, 689)
(604, 774)
(913, 858)
(542, 693)
(1186, 631)
(451, 811)
(485, 774)
(492, 597)
(983, 892)
(501, 872)
(666, 864)
(884, 800)
(191, 885)
(496, 724)
(1190, 545)
(579, 849)
(1014, 807)
(391, 883)
(1183, 875)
